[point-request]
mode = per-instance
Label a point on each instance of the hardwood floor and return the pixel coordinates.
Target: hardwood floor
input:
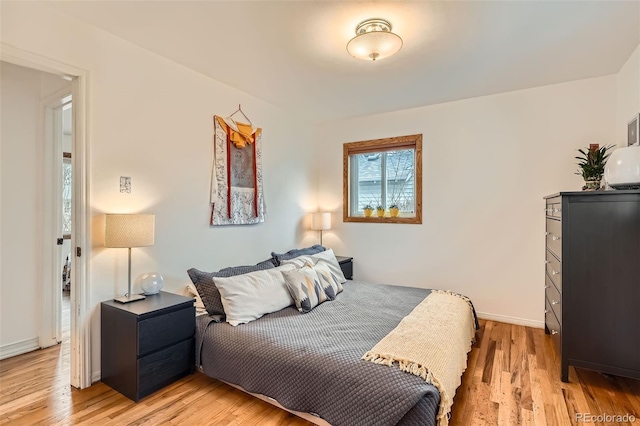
(512, 379)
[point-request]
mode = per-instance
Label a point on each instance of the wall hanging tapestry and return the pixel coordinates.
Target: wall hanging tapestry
(236, 180)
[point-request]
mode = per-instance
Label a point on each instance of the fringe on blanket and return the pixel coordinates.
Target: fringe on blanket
(420, 371)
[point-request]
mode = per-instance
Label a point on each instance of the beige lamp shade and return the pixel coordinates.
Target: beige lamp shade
(129, 230)
(321, 221)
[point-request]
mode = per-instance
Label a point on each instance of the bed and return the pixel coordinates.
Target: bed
(312, 363)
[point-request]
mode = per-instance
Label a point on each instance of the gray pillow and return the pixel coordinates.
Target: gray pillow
(293, 253)
(208, 291)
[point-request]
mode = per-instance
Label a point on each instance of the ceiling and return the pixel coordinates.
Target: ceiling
(292, 53)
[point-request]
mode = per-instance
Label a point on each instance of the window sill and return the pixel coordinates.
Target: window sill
(387, 219)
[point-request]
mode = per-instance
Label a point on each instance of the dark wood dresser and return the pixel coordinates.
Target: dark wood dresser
(148, 344)
(592, 280)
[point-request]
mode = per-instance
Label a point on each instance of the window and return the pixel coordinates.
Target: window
(385, 173)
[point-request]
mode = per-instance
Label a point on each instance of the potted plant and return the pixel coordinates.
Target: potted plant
(380, 210)
(368, 210)
(591, 165)
(394, 210)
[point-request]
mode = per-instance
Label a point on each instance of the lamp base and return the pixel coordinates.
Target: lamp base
(129, 298)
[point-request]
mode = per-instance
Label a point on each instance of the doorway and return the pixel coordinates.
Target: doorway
(49, 227)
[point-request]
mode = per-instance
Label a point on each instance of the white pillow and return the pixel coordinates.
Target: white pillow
(191, 291)
(247, 297)
(326, 255)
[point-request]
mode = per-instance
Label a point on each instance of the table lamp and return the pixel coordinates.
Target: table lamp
(321, 221)
(127, 231)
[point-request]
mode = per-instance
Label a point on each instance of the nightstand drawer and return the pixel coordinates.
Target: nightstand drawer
(157, 332)
(164, 367)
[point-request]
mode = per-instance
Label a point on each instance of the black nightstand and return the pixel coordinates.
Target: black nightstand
(148, 344)
(346, 264)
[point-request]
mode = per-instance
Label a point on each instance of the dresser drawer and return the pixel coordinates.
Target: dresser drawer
(163, 330)
(553, 325)
(554, 269)
(554, 210)
(163, 367)
(554, 237)
(554, 297)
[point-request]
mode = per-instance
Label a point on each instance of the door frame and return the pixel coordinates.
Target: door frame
(80, 296)
(51, 168)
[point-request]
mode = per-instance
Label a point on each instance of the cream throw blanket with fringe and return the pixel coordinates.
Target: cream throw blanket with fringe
(432, 342)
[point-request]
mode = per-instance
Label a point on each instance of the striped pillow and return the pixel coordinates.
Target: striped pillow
(327, 255)
(305, 288)
(328, 279)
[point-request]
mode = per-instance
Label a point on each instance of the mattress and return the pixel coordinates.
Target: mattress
(312, 362)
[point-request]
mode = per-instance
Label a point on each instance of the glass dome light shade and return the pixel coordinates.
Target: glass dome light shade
(151, 283)
(374, 40)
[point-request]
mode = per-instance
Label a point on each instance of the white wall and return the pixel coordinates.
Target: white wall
(53, 84)
(21, 208)
(151, 119)
(628, 99)
(487, 163)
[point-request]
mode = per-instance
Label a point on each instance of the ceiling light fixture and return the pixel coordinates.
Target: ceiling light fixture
(374, 40)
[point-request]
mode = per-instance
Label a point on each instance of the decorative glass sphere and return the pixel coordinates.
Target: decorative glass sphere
(151, 283)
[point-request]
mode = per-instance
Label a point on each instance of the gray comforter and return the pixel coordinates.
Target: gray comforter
(311, 362)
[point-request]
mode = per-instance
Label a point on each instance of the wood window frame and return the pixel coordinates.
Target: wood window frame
(379, 145)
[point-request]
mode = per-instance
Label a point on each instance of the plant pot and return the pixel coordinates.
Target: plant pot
(592, 185)
(368, 212)
(394, 212)
(380, 212)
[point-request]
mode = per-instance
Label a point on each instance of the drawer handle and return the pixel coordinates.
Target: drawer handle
(557, 210)
(554, 302)
(547, 233)
(546, 311)
(554, 272)
(555, 237)
(546, 262)
(546, 286)
(554, 332)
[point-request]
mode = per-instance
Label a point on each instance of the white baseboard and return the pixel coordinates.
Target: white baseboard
(96, 376)
(19, 348)
(511, 320)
